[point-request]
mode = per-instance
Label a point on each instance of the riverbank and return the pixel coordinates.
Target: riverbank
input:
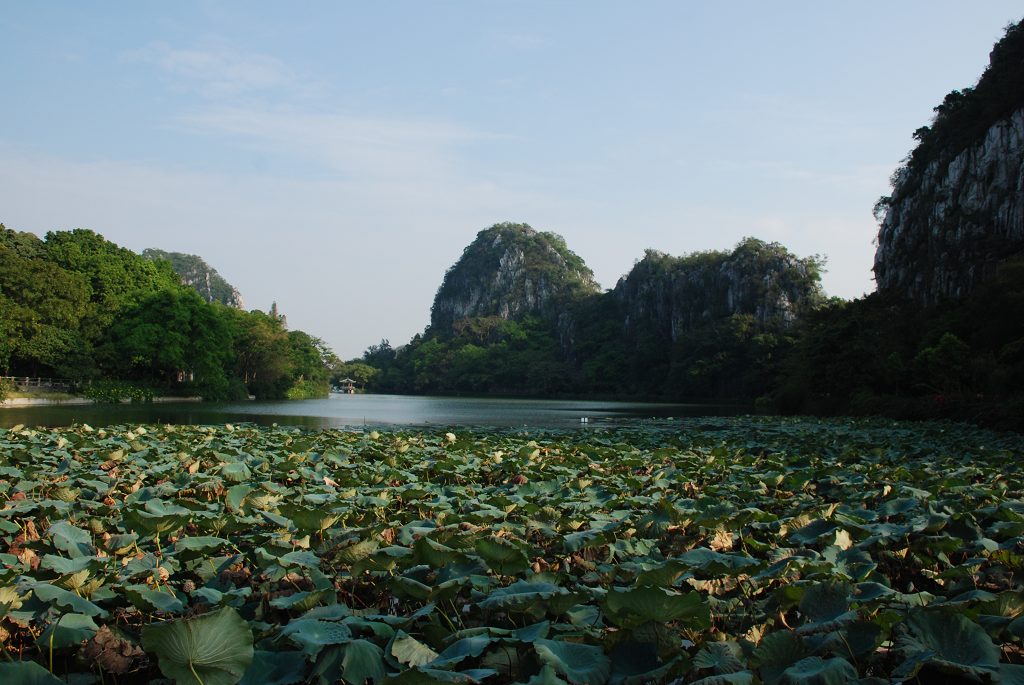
(70, 401)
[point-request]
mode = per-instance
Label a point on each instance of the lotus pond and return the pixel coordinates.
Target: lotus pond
(724, 550)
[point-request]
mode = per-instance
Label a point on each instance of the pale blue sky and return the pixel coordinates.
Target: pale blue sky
(337, 157)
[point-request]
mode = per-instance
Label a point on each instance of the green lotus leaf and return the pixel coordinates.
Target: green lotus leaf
(235, 471)
(519, 594)
(636, 663)
(121, 543)
(310, 519)
(894, 507)
(303, 601)
(1011, 674)
(432, 553)
(236, 497)
(64, 599)
(432, 676)
(547, 676)
(67, 631)
(716, 563)
(313, 634)
(817, 671)
(147, 598)
(204, 544)
(66, 567)
(26, 673)
(212, 649)
(504, 557)
(462, 649)
(157, 516)
(595, 536)
(75, 541)
(410, 587)
(721, 657)
(362, 661)
(356, 552)
(275, 668)
(826, 606)
(580, 664)
(630, 608)
(949, 641)
(813, 532)
(776, 652)
(303, 558)
(739, 678)
(663, 574)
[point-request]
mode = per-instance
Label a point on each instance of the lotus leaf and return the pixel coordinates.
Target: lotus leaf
(213, 649)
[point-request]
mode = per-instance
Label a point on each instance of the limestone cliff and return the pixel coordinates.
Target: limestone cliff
(957, 207)
(510, 271)
(197, 274)
(668, 296)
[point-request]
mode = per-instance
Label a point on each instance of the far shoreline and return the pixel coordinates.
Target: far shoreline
(13, 402)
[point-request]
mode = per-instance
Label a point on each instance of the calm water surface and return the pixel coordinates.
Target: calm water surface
(360, 410)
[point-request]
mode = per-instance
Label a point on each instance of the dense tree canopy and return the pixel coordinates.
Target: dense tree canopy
(76, 305)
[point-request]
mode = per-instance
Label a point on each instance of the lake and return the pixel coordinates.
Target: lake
(368, 410)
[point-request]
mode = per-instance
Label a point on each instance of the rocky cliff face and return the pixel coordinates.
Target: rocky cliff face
(668, 296)
(199, 275)
(510, 271)
(965, 216)
(957, 207)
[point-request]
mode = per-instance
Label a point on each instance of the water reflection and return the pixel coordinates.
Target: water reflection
(367, 410)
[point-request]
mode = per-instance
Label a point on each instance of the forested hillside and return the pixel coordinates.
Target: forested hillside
(520, 314)
(75, 305)
(944, 334)
(200, 276)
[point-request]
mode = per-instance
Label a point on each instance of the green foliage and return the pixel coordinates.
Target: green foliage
(881, 355)
(169, 336)
(304, 389)
(214, 649)
(113, 392)
(6, 387)
(707, 325)
(964, 116)
(76, 305)
(710, 550)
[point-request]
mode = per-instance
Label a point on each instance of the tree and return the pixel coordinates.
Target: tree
(171, 337)
(261, 352)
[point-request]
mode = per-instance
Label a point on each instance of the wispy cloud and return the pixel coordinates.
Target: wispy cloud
(219, 71)
(361, 146)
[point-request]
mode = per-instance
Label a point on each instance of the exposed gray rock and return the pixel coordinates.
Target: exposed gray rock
(510, 271)
(964, 216)
(671, 295)
(197, 274)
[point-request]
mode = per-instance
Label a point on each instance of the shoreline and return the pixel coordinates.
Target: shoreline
(13, 402)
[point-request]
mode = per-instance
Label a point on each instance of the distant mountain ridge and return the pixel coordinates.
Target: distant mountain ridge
(197, 274)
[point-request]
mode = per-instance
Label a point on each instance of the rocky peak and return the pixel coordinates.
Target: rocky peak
(509, 271)
(197, 274)
(668, 296)
(957, 206)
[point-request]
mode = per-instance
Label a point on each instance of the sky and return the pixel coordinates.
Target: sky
(337, 157)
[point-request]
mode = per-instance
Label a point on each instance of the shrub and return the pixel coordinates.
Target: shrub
(113, 392)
